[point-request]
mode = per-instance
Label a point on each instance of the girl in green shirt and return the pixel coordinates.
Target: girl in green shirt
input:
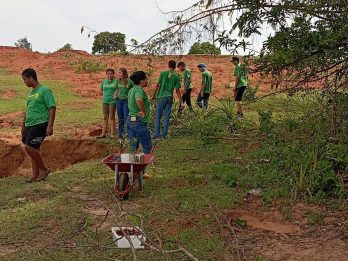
(124, 84)
(139, 114)
(108, 88)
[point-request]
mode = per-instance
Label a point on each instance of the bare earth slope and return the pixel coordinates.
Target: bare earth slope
(61, 65)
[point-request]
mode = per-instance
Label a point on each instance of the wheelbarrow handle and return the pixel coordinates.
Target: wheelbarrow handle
(153, 148)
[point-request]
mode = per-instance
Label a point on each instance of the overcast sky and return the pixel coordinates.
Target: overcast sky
(49, 24)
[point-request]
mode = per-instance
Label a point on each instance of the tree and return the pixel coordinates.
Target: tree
(309, 41)
(106, 42)
(204, 48)
(23, 43)
(67, 46)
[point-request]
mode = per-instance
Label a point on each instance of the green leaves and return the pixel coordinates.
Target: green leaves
(204, 48)
(107, 42)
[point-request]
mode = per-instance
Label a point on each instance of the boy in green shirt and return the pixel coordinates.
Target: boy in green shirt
(167, 82)
(37, 123)
(206, 87)
(241, 82)
(187, 79)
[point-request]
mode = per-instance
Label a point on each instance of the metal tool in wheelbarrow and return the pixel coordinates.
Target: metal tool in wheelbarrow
(128, 168)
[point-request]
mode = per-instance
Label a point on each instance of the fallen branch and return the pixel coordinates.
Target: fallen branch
(96, 230)
(215, 211)
(233, 138)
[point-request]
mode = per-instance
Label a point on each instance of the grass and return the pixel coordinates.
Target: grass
(73, 111)
(196, 183)
(53, 211)
(88, 66)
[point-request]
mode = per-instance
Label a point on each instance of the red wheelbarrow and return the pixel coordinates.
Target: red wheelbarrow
(127, 173)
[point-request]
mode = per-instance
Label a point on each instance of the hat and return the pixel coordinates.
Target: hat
(201, 65)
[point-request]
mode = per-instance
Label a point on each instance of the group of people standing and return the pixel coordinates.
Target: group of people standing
(126, 96)
(118, 96)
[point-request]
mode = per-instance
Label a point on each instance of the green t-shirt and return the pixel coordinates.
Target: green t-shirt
(241, 72)
(39, 102)
(187, 75)
(168, 80)
(138, 92)
(108, 88)
(207, 79)
(123, 90)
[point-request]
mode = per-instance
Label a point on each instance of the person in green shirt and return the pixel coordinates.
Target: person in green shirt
(167, 82)
(241, 83)
(108, 88)
(124, 84)
(139, 114)
(206, 86)
(37, 123)
(187, 79)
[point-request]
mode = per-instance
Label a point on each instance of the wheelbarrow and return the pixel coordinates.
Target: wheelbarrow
(127, 173)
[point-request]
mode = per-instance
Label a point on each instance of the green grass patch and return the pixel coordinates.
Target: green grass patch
(73, 111)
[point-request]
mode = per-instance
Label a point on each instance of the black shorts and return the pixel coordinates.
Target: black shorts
(35, 135)
(239, 93)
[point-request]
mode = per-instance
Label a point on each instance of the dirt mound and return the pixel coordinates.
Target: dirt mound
(281, 233)
(79, 52)
(7, 94)
(61, 65)
(267, 223)
(91, 131)
(58, 154)
(11, 119)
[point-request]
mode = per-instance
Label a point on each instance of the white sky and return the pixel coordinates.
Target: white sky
(49, 24)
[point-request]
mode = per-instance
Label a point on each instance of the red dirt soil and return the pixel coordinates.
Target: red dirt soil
(59, 66)
(59, 154)
(7, 94)
(11, 119)
(268, 234)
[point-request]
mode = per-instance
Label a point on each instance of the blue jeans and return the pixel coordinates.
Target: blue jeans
(122, 114)
(203, 100)
(139, 133)
(163, 105)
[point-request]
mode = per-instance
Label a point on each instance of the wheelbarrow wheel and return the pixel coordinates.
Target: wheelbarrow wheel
(122, 184)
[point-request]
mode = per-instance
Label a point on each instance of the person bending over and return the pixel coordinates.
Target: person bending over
(206, 87)
(187, 79)
(108, 88)
(37, 123)
(124, 84)
(167, 82)
(139, 114)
